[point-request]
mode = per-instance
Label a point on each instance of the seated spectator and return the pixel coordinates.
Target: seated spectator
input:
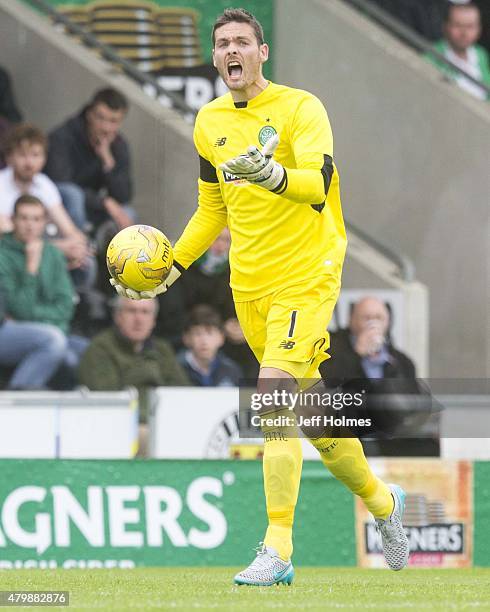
(26, 154)
(364, 351)
(9, 113)
(128, 354)
(207, 281)
(37, 297)
(89, 161)
(462, 29)
(201, 359)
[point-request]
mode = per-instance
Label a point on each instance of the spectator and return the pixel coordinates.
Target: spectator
(37, 297)
(26, 154)
(129, 354)
(207, 282)
(9, 113)
(89, 161)
(462, 29)
(202, 360)
(364, 351)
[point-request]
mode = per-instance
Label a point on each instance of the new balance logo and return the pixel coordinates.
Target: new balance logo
(287, 344)
(220, 142)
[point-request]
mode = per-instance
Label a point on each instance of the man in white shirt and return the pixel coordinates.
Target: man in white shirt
(26, 149)
(462, 29)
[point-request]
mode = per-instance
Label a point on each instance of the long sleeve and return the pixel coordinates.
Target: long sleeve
(118, 180)
(45, 297)
(172, 373)
(206, 223)
(57, 305)
(59, 166)
(71, 159)
(312, 140)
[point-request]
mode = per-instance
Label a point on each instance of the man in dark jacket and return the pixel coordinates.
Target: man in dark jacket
(364, 359)
(89, 161)
(37, 297)
(363, 350)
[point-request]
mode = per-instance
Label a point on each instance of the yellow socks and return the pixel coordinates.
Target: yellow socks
(282, 462)
(345, 458)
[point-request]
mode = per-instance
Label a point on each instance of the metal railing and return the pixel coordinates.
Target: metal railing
(405, 267)
(110, 54)
(409, 36)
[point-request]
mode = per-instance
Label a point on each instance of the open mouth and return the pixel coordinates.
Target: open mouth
(234, 70)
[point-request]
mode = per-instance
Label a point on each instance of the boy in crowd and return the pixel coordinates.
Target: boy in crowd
(203, 338)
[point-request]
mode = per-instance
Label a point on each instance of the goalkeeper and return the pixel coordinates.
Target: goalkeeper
(266, 171)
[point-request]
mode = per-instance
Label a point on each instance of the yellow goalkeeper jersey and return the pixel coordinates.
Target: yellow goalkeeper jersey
(278, 239)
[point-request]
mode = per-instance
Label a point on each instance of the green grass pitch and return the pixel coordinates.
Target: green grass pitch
(211, 589)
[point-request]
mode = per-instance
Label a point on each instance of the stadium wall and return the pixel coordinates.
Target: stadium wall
(412, 151)
(90, 514)
(53, 77)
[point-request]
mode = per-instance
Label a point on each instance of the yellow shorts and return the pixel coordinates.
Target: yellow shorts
(287, 329)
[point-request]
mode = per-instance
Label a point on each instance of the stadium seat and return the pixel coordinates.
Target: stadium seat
(181, 45)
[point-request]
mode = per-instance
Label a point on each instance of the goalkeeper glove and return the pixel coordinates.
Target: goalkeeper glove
(146, 295)
(258, 167)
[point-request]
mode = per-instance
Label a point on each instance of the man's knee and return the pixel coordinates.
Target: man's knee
(71, 192)
(53, 339)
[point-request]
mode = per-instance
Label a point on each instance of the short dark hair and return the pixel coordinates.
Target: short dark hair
(27, 198)
(111, 97)
(451, 6)
(205, 316)
(24, 132)
(239, 15)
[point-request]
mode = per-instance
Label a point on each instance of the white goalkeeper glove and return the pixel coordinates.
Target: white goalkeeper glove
(258, 167)
(146, 295)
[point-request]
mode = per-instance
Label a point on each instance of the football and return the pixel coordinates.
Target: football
(139, 257)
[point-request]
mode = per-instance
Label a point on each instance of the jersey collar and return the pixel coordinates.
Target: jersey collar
(256, 100)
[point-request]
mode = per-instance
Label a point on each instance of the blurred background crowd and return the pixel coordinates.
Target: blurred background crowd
(65, 193)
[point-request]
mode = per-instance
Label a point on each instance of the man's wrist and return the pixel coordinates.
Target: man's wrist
(108, 165)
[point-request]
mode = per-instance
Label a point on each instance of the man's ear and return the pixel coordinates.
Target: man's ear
(214, 61)
(264, 52)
